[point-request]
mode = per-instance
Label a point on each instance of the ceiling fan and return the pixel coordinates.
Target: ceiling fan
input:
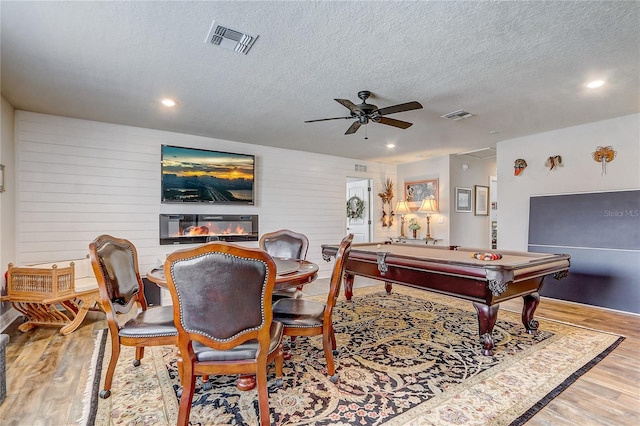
(365, 112)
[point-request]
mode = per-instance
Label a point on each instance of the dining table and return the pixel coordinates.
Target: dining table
(290, 273)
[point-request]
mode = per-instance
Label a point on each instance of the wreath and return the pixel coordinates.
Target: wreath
(355, 207)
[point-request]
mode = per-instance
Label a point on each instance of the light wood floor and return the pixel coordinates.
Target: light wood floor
(47, 372)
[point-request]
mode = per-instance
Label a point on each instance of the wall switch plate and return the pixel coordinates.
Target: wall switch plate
(441, 220)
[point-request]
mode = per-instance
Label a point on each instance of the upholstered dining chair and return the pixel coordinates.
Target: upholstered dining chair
(115, 265)
(286, 244)
(221, 297)
(309, 318)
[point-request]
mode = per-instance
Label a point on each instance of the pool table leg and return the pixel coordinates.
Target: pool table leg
(487, 316)
(531, 302)
(348, 285)
(388, 287)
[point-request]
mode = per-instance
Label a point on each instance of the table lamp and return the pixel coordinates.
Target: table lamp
(428, 206)
(402, 208)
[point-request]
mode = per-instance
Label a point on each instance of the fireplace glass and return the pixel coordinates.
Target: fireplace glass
(202, 228)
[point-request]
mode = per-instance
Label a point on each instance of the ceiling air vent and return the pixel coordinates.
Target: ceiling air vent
(230, 39)
(457, 115)
(489, 152)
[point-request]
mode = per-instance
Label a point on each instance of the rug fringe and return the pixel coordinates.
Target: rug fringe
(88, 390)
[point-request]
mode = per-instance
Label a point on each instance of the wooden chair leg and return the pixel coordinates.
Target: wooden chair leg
(139, 355)
(334, 346)
(188, 389)
(328, 354)
(263, 395)
(115, 353)
(279, 365)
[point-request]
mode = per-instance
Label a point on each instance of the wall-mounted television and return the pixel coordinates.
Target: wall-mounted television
(191, 175)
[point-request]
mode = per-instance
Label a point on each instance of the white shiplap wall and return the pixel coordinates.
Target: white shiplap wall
(77, 179)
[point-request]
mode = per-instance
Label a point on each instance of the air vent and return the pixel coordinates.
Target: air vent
(223, 36)
(481, 153)
(361, 168)
(457, 115)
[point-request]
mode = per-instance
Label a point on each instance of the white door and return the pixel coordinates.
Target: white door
(359, 198)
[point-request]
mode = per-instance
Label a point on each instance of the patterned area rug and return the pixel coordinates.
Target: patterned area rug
(411, 357)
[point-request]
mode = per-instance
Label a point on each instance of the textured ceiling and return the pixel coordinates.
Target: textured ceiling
(520, 67)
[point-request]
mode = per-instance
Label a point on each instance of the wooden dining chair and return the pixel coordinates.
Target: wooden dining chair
(309, 318)
(115, 265)
(285, 243)
(289, 245)
(221, 297)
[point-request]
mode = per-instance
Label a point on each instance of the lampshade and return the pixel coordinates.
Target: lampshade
(428, 205)
(402, 207)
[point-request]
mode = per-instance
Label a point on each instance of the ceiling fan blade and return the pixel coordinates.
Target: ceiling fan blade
(325, 119)
(395, 123)
(408, 106)
(352, 107)
(354, 128)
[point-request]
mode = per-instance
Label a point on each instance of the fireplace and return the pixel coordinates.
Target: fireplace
(202, 228)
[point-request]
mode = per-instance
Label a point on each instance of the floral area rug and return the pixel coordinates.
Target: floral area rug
(406, 358)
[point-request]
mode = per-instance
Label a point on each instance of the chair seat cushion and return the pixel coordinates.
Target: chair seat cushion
(154, 322)
(246, 350)
(298, 312)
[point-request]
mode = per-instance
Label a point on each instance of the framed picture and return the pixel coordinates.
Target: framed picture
(482, 200)
(464, 198)
(415, 192)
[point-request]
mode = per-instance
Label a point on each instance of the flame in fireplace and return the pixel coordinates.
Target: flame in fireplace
(213, 229)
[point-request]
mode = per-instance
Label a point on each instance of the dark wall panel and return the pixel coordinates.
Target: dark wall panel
(601, 232)
(602, 219)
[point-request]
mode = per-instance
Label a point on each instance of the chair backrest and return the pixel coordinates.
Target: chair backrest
(337, 275)
(221, 294)
(115, 265)
(285, 243)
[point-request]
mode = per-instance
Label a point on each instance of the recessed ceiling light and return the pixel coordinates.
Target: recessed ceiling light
(595, 84)
(391, 145)
(168, 102)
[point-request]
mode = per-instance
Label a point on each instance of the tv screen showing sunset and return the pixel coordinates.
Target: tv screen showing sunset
(200, 176)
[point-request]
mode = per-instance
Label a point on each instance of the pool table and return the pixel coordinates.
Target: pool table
(455, 271)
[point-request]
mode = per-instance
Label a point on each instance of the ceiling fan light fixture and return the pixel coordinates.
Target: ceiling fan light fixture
(364, 112)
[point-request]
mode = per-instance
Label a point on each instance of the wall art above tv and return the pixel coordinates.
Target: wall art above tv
(191, 175)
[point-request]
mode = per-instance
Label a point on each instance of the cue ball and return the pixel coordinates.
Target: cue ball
(378, 246)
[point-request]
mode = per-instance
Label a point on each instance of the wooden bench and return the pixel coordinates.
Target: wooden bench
(53, 294)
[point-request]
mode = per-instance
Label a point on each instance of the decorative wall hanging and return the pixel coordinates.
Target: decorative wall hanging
(604, 155)
(519, 165)
(417, 191)
(464, 198)
(355, 207)
(553, 162)
(387, 196)
(482, 200)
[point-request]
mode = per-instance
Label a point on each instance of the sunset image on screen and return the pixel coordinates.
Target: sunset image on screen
(202, 176)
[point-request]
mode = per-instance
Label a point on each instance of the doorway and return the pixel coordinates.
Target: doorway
(493, 197)
(359, 209)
